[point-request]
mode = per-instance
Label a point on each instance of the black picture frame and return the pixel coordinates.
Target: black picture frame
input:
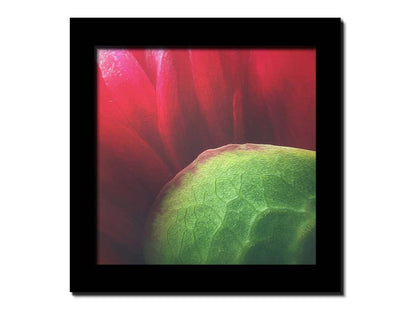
(326, 35)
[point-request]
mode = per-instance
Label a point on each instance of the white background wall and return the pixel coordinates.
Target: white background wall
(380, 154)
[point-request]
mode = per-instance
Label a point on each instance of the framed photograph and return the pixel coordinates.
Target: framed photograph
(206, 156)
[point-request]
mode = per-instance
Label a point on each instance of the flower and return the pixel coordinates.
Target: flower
(158, 109)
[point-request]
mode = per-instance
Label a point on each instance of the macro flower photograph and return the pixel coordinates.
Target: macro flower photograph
(206, 156)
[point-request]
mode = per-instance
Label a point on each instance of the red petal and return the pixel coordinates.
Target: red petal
(234, 63)
(285, 81)
(149, 60)
(120, 236)
(130, 174)
(214, 94)
(153, 58)
(238, 118)
(128, 160)
(133, 94)
(122, 153)
(171, 121)
(198, 137)
(140, 56)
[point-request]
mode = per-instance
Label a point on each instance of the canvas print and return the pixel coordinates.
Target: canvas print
(206, 156)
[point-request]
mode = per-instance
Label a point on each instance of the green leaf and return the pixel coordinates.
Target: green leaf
(238, 204)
